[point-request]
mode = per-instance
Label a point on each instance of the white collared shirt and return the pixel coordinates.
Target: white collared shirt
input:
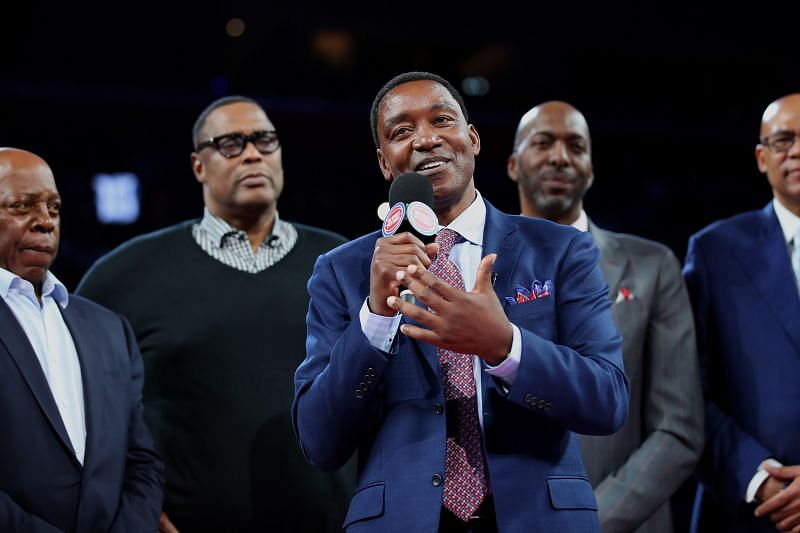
(466, 254)
(582, 222)
(789, 222)
(231, 246)
(52, 342)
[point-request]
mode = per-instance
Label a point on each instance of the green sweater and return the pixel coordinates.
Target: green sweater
(220, 348)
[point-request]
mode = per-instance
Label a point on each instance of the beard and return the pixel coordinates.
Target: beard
(550, 205)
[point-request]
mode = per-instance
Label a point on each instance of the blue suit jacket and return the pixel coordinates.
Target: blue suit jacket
(747, 312)
(351, 396)
(43, 487)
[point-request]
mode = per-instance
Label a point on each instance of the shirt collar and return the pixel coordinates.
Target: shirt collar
(790, 223)
(217, 228)
(469, 224)
(50, 287)
(582, 222)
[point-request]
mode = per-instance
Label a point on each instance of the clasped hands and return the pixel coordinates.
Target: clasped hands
(780, 493)
(465, 322)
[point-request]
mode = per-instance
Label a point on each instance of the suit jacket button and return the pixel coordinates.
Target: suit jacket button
(359, 393)
(438, 409)
(436, 480)
(541, 404)
(547, 406)
(371, 372)
(369, 378)
(363, 386)
(528, 398)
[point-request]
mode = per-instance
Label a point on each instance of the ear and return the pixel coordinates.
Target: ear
(198, 168)
(384, 164)
(474, 139)
(511, 167)
(761, 158)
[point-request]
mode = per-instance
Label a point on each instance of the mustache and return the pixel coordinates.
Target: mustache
(560, 175)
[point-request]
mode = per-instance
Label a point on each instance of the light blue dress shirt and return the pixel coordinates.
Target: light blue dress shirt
(52, 342)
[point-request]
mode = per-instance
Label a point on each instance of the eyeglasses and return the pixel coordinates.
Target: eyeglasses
(233, 144)
(780, 142)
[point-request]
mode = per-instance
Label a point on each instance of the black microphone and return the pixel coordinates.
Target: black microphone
(411, 209)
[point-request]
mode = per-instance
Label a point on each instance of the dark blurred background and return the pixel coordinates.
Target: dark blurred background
(673, 94)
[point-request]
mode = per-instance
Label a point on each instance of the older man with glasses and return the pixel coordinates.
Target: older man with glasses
(218, 307)
(743, 276)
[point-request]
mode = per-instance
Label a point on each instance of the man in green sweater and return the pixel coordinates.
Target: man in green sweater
(218, 307)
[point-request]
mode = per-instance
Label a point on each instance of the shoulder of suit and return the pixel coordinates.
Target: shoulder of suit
(543, 227)
(89, 307)
(635, 245)
(740, 226)
(354, 248)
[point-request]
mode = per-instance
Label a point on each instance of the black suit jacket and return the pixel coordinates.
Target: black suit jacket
(43, 487)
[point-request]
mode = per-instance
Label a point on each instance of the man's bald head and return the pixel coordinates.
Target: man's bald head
(15, 158)
(778, 154)
(30, 220)
(549, 112)
(552, 162)
(789, 104)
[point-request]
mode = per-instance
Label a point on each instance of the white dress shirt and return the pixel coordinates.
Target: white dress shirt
(52, 342)
(466, 254)
(790, 225)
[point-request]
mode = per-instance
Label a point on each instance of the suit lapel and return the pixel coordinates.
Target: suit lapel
(19, 348)
(612, 262)
(91, 374)
(498, 237)
(769, 268)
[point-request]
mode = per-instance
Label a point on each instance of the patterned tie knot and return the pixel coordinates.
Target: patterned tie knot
(446, 238)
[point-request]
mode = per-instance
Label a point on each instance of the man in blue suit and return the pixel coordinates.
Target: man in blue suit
(75, 455)
(465, 420)
(744, 292)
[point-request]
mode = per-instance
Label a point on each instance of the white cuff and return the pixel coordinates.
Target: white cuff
(759, 478)
(380, 330)
(507, 370)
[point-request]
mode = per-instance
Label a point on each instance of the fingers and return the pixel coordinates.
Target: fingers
(431, 249)
(483, 280)
(771, 505)
(390, 255)
(789, 523)
(428, 288)
(165, 525)
(420, 334)
(783, 472)
(414, 312)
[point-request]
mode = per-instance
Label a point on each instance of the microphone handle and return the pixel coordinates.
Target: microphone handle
(407, 296)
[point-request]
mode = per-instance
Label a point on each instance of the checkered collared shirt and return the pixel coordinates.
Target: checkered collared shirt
(230, 245)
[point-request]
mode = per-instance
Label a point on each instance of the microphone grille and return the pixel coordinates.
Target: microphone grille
(411, 187)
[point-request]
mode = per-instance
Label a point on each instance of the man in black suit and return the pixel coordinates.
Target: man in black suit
(75, 455)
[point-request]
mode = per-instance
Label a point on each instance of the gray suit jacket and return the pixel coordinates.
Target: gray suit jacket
(636, 470)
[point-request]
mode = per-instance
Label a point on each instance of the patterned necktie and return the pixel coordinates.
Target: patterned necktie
(464, 471)
(796, 256)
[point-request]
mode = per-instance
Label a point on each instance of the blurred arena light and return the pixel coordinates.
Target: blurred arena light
(475, 86)
(116, 197)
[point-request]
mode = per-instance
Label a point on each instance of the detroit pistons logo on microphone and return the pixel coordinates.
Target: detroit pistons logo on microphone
(422, 218)
(393, 219)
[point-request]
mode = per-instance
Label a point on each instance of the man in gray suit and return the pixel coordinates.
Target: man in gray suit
(635, 471)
